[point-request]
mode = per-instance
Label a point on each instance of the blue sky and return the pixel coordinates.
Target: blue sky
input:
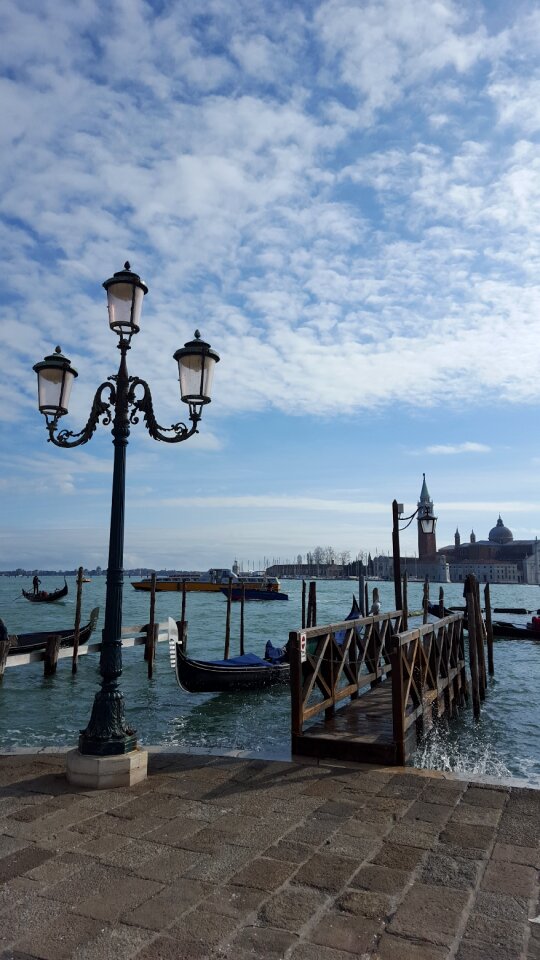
(344, 197)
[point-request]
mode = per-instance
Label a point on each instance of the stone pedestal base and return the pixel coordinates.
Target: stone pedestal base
(103, 773)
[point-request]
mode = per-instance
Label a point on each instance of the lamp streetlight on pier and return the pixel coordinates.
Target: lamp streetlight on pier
(427, 523)
(120, 400)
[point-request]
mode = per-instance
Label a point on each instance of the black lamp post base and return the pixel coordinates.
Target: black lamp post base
(107, 733)
(94, 747)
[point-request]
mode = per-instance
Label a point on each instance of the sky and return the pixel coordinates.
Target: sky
(344, 197)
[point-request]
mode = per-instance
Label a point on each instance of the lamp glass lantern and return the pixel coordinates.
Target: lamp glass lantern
(125, 293)
(196, 365)
(427, 524)
(55, 380)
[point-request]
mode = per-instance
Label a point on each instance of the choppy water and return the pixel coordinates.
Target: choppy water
(35, 712)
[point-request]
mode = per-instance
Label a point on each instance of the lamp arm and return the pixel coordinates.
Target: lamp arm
(410, 519)
(143, 405)
(101, 410)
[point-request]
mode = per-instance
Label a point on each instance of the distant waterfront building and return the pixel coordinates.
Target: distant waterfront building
(499, 559)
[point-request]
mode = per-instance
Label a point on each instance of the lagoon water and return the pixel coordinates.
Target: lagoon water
(37, 712)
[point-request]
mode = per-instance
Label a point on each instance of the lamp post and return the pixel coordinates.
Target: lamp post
(428, 526)
(120, 400)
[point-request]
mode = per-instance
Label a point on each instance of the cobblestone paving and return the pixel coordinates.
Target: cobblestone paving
(213, 857)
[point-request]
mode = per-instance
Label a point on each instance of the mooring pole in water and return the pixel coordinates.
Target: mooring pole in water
(149, 647)
(303, 604)
(77, 621)
(228, 622)
(242, 602)
(361, 589)
(366, 599)
(425, 600)
(471, 629)
(441, 603)
(183, 613)
(312, 605)
(480, 630)
(489, 630)
(405, 603)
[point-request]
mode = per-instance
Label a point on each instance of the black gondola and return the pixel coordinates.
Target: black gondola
(28, 642)
(246, 672)
(42, 596)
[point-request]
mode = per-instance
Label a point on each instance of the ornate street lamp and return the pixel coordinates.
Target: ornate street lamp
(121, 399)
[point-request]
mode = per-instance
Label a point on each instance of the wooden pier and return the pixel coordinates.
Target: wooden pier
(365, 690)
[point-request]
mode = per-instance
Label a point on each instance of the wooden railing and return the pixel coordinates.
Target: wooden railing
(338, 660)
(428, 676)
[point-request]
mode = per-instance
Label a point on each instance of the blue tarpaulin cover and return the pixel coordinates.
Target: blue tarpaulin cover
(247, 660)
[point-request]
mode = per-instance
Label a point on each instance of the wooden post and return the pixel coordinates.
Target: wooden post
(303, 604)
(471, 629)
(151, 640)
(361, 590)
(396, 555)
(4, 650)
(150, 624)
(183, 613)
(405, 620)
(182, 627)
(312, 605)
(228, 622)
(398, 707)
(242, 603)
(366, 599)
(296, 685)
(51, 655)
(480, 630)
(77, 621)
(441, 603)
(425, 600)
(489, 630)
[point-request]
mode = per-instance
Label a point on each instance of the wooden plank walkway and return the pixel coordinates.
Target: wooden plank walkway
(363, 690)
(362, 732)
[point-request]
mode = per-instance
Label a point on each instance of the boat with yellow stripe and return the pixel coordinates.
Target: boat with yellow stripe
(213, 581)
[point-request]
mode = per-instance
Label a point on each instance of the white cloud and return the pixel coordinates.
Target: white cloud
(467, 447)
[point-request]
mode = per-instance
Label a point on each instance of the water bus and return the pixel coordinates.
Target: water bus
(213, 581)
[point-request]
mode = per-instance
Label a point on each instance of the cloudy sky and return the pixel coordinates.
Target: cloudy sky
(344, 197)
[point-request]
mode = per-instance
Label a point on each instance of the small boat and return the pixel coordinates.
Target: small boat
(210, 582)
(515, 631)
(256, 593)
(246, 672)
(42, 596)
(28, 642)
(86, 580)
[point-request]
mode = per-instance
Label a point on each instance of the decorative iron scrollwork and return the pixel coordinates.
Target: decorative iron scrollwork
(101, 410)
(143, 405)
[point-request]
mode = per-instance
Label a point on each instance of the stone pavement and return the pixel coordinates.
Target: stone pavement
(229, 858)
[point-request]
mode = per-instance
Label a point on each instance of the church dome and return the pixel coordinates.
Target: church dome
(500, 534)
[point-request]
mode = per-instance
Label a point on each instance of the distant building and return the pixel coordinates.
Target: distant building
(499, 559)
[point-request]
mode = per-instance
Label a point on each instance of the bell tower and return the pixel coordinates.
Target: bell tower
(427, 544)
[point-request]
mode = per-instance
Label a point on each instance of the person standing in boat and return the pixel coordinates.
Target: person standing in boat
(35, 583)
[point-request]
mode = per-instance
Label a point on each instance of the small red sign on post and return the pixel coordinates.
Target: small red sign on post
(303, 647)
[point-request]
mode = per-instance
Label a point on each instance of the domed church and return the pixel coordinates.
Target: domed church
(499, 559)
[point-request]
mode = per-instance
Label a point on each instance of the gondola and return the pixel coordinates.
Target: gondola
(28, 642)
(246, 672)
(501, 628)
(44, 597)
